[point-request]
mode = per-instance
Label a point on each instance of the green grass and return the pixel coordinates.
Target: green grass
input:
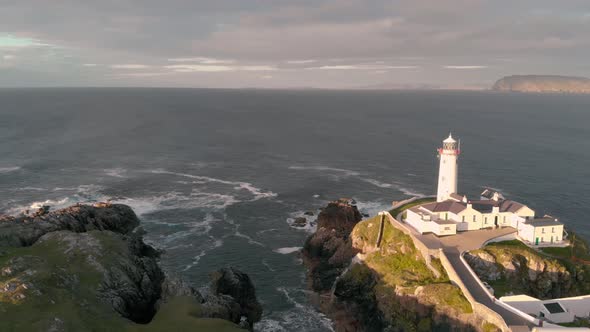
(181, 314)
(489, 327)
(68, 285)
(579, 322)
(420, 201)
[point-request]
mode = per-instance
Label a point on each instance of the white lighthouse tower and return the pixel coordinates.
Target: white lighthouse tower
(447, 172)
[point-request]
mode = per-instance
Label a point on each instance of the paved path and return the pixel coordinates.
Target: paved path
(453, 246)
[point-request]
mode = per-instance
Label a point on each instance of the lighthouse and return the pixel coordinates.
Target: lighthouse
(448, 157)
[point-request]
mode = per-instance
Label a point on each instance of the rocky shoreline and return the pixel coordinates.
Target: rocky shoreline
(362, 287)
(88, 267)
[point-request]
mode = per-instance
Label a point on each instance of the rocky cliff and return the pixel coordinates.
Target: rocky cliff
(513, 268)
(86, 268)
(543, 83)
(389, 287)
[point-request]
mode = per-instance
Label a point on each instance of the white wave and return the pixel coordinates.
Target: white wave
(239, 185)
(270, 268)
(345, 172)
(116, 172)
(31, 189)
(302, 317)
(287, 250)
(409, 192)
(9, 169)
(372, 208)
(215, 244)
(377, 183)
(176, 200)
(82, 194)
(237, 232)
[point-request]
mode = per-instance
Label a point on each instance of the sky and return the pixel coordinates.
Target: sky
(455, 44)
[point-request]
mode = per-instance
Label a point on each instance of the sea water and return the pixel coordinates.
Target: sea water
(218, 176)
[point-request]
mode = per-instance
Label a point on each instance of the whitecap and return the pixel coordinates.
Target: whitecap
(377, 183)
(31, 189)
(238, 185)
(345, 172)
(371, 208)
(237, 232)
(215, 244)
(9, 169)
(287, 250)
(116, 172)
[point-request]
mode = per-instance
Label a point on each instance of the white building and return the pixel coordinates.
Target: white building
(563, 310)
(452, 213)
(448, 169)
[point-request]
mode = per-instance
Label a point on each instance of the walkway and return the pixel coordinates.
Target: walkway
(453, 246)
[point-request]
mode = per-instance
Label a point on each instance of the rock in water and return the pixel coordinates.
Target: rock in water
(230, 281)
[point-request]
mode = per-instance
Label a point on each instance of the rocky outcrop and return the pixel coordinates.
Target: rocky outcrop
(329, 251)
(385, 288)
(89, 268)
(527, 271)
(543, 83)
(26, 229)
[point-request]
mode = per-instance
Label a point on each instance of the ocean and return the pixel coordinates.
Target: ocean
(218, 176)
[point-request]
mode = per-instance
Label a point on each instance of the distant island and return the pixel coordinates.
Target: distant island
(543, 84)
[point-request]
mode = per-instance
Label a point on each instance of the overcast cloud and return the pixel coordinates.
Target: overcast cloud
(281, 44)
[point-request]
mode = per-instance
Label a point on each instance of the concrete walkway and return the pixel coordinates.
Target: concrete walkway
(453, 246)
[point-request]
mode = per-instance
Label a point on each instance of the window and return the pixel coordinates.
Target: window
(447, 228)
(474, 220)
(485, 220)
(463, 219)
(543, 230)
(542, 239)
(446, 216)
(504, 219)
(552, 229)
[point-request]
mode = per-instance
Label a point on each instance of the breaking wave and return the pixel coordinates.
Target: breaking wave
(287, 250)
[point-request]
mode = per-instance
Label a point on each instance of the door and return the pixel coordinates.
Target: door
(537, 242)
(551, 238)
(496, 221)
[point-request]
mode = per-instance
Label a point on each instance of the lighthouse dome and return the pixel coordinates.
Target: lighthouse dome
(450, 139)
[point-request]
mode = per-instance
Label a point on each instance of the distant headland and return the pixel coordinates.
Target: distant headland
(543, 84)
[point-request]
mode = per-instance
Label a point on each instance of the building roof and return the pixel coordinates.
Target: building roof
(504, 205)
(456, 197)
(510, 206)
(445, 206)
(489, 193)
(543, 222)
(450, 139)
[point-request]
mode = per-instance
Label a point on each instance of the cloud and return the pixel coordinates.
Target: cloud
(465, 67)
(13, 42)
(300, 62)
(189, 68)
(130, 66)
(89, 65)
(361, 67)
(203, 60)
(8, 57)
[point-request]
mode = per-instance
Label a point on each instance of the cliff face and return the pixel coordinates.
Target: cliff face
(543, 83)
(85, 268)
(512, 267)
(389, 288)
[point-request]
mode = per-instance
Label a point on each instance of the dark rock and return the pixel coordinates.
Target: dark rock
(309, 213)
(299, 222)
(237, 285)
(328, 251)
(23, 231)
